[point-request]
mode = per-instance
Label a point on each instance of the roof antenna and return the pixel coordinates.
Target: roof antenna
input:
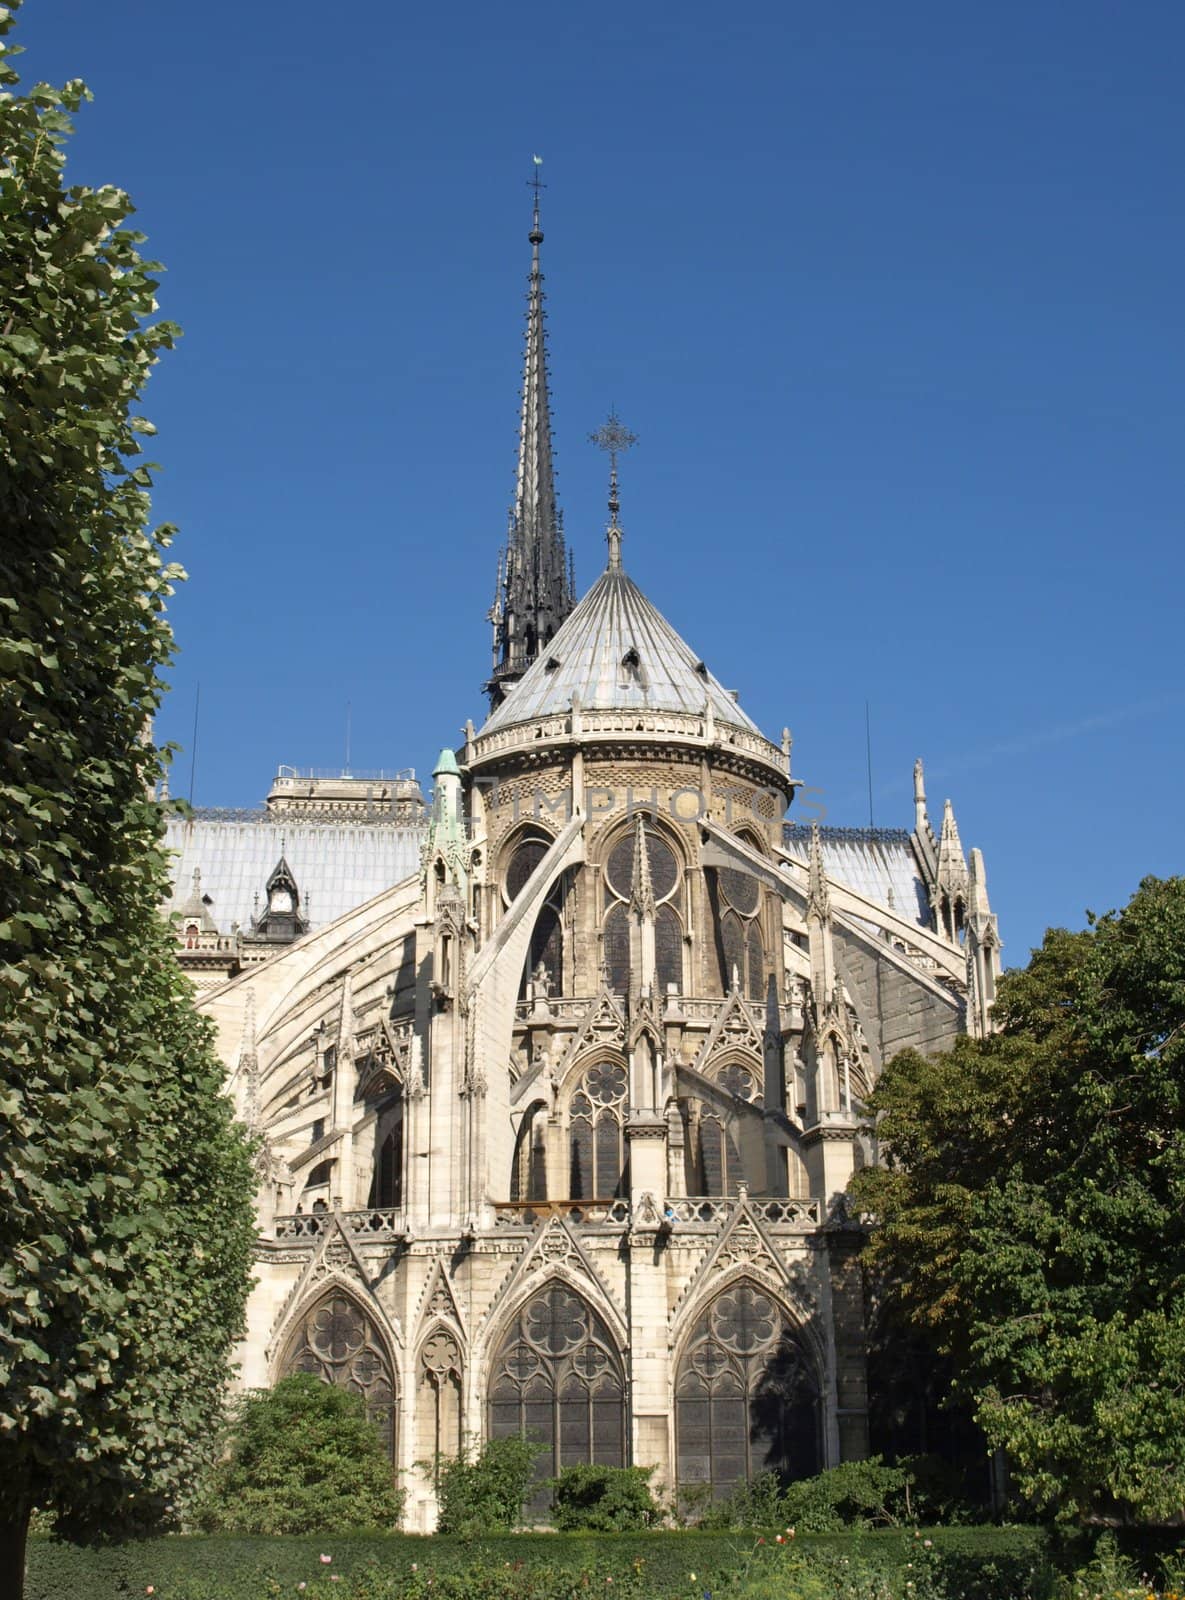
(868, 754)
(197, 700)
(614, 438)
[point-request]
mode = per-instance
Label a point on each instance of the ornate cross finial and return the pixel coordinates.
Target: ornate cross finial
(615, 439)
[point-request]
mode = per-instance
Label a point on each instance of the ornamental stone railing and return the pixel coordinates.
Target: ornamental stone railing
(374, 1224)
(609, 725)
(711, 1209)
(526, 1213)
(560, 1010)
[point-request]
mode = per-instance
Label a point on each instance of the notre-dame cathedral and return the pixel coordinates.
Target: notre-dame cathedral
(559, 1077)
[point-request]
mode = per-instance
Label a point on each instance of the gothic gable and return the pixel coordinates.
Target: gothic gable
(556, 1252)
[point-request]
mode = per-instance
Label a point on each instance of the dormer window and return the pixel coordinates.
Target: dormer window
(631, 668)
(702, 668)
(551, 664)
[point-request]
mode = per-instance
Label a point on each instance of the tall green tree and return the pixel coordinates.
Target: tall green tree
(125, 1186)
(1032, 1217)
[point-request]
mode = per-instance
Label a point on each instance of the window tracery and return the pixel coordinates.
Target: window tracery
(547, 938)
(713, 1142)
(386, 1189)
(338, 1343)
(440, 1393)
(746, 1395)
(597, 1164)
(665, 883)
(742, 948)
(528, 1175)
(558, 1376)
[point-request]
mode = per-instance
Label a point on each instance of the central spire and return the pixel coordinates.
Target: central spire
(535, 582)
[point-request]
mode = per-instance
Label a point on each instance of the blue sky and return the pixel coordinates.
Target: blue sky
(891, 295)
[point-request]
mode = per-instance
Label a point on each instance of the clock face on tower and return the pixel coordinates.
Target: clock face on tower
(280, 900)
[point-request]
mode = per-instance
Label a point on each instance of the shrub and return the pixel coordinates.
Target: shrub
(604, 1499)
(303, 1458)
(858, 1494)
(756, 1504)
(485, 1492)
(966, 1563)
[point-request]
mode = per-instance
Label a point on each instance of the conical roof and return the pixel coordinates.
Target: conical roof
(617, 652)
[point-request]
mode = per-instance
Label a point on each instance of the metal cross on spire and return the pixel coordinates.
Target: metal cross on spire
(536, 183)
(615, 439)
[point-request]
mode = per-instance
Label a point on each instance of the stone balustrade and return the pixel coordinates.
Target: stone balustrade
(594, 1213)
(712, 1209)
(386, 1224)
(697, 1211)
(610, 725)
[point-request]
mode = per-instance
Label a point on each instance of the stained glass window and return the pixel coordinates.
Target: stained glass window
(746, 1395)
(338, 1343)
(664, 870)
(732, 940)
(547, 946)
(668, 949)
(528, 1175)
(386, 1189)
(558, 1377)
(712, 1159)
(756, 954)
(524, 861)
(617, 949)
(740, 889)
(596, 1134)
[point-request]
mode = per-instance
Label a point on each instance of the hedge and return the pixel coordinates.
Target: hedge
(985, 1563)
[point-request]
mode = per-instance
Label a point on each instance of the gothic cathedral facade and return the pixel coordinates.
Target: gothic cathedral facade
(559, 1080)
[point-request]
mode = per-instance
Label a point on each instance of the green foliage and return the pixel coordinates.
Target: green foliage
(484, 1491)
(604, 1499)
(126, 1226)
(961, 1564)
(754, 1504)
(1108, 1572)
(856, 1494)
(859, 1494)
(1034, 1220)
(302, 1458)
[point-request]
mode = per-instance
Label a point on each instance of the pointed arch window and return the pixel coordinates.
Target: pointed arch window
(386, 1189)
(558, 1377)
(547, 938)
(597, 1164)
(741, 946)
(710, 1151)
(746, 1395)
(717, 1138)
(340, 1344)
(528, 1175)
(665, 881)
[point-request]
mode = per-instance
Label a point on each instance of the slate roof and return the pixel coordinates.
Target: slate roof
(877, 862)
(617, 652)
(336, 865)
